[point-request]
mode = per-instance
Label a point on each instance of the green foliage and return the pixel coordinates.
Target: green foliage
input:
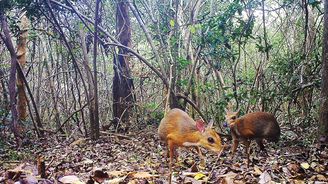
(32, 7)
(183, 63)
(315, 3)
(153, 116)
(156, 117)
(261, 46)
(172, 23)
(222, 30)
(151, 105)
(182, 82)
(164, 24)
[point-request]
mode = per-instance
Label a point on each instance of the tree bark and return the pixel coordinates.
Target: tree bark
(95, 124)
(21, 56)
(122, 82)
(85, 62)
(12, 78)
(4, 98)
(323, 119)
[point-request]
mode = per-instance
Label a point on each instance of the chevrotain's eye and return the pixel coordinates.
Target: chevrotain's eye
(233, 117)
(210, 140)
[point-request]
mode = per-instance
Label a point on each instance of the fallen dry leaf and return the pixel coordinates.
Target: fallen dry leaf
(305, 165)
(229, 177)
(115, 180)
(265, 178)
(199, 176)
(257, 171)
(114, 174)
(294, 168)
(71, 179)
(79, 142)
(319, 177)
(141, 175)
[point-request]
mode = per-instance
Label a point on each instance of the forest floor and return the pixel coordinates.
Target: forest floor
(140, 158)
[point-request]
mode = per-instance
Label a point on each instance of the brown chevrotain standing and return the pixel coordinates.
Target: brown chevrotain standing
(178, 129)
(256, 125)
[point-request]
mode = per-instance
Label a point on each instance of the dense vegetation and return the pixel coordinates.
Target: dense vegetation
(69, 77)
(258, 56)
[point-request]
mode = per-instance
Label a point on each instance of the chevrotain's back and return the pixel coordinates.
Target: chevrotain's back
(176, 121)
(257, 125)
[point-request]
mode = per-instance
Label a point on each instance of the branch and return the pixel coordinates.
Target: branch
(69, 117)
(143, 60)
(83, 18)
(148, 37)
(193, 105)
(302, 87)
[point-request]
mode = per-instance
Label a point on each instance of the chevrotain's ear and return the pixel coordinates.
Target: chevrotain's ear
(200, 125)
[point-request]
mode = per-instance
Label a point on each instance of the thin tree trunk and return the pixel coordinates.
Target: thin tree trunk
(12, 78)
(148, 37)
(53, 97)
(4, 99)
(21, 56)
(85, 62)
(122, 82)
(95, 123)
(323, 119)
(76, 67)
(266, 46)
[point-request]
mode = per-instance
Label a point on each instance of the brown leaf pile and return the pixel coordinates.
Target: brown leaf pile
(140, 158)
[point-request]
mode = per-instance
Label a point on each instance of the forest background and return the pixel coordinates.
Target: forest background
(77, 68)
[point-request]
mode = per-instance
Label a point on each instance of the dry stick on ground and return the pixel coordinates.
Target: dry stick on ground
(116, 135)
(51, 161)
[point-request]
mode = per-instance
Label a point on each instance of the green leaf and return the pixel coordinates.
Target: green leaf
(192, 29)
(172, 23)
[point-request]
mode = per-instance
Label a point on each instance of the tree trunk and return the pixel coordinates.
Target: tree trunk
(94, 104)
(85, 62)
(323, 119)
(12, 78)
(53, 97)
(21, 56)
(122, 82)
(3, 96)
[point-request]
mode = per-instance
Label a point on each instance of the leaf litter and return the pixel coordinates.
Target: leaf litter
(141, 158)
